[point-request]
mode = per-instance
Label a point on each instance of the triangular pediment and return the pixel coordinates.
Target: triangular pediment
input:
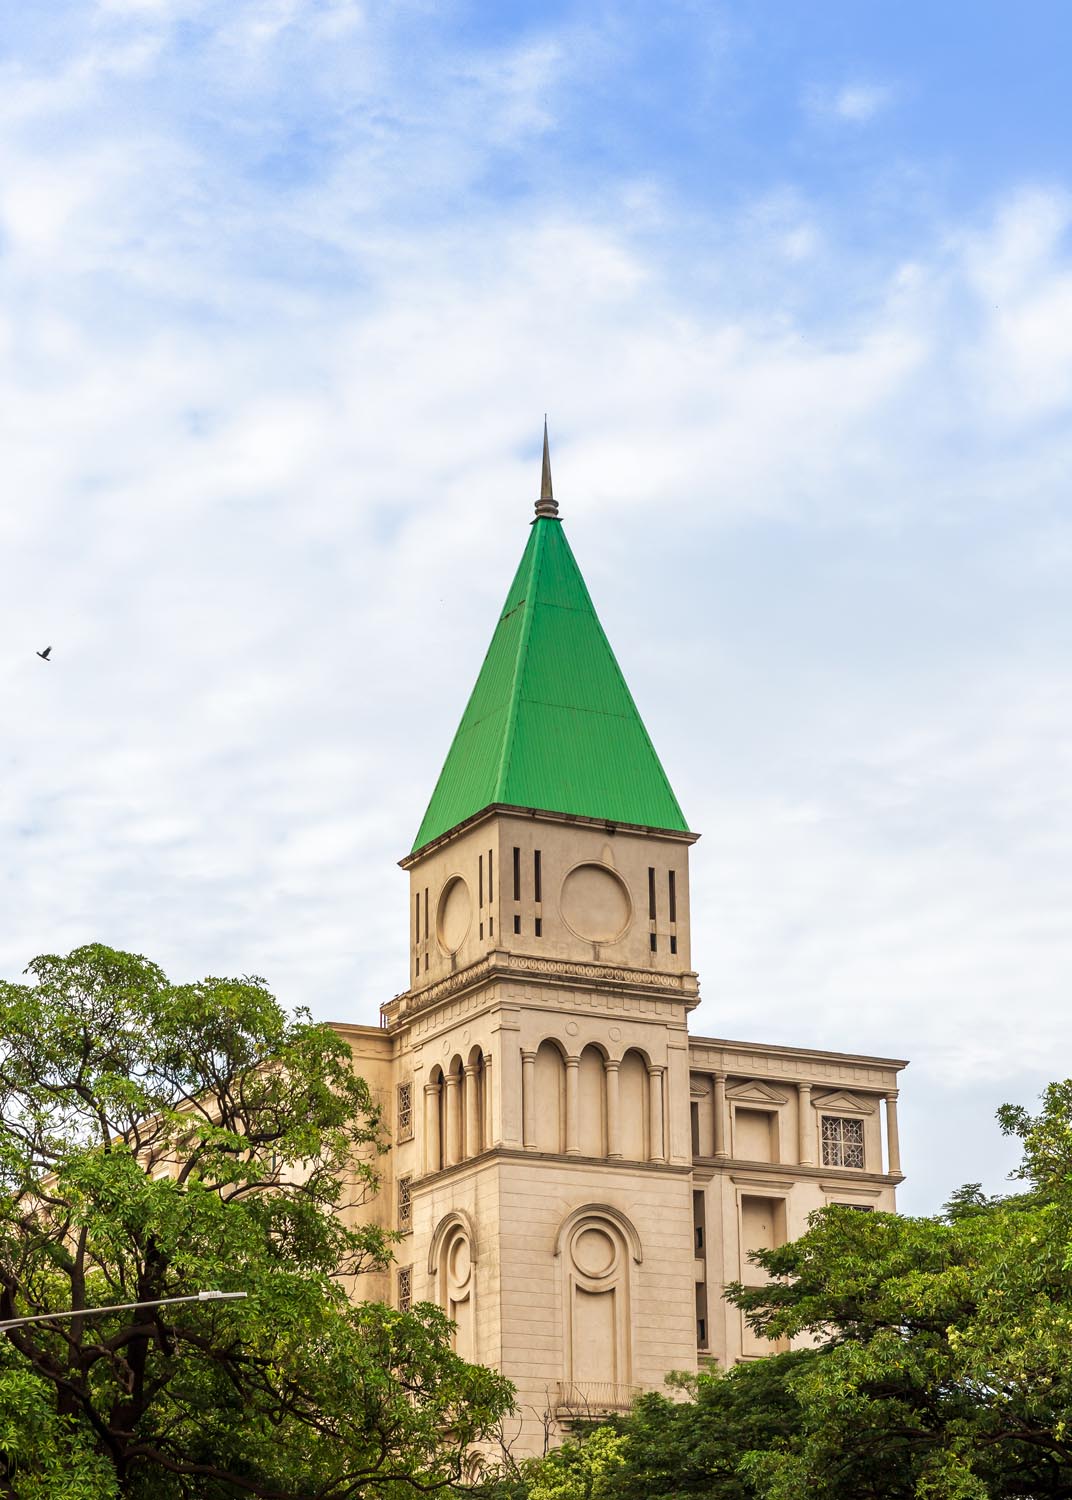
(841, 1103)
(754, 1092)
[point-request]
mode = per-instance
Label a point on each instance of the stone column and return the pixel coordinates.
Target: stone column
(805, 1126)
(893, 1143)
(486, 1113)
(657, 1148)
(528, 1100)
(573, 1101)
(614, 1126)
(472, 1109)
(453, 1152)
(433, 1146)
(720, 1115)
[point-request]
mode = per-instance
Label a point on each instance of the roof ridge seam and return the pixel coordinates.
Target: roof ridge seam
(528, 604)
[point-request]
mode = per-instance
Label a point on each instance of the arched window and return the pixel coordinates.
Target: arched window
(550, 1099)
(635, 1106)
(452, 1268)
(597, 1247)
(592, 1103)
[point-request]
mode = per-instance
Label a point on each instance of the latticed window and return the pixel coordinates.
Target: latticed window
(405, 1288)
(405, 1209)
(405, 1111)
(843, 1142)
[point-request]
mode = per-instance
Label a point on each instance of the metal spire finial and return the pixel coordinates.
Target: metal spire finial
(546, 505)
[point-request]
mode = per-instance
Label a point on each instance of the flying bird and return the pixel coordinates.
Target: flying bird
(45, 654)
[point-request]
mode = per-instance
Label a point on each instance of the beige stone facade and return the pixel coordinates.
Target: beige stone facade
(577, 1177)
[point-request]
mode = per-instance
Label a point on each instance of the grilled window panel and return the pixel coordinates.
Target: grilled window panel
(843, 1142)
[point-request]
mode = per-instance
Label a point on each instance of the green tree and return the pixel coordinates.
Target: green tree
(158, 1139)
(945, 1345)
(669, 1448)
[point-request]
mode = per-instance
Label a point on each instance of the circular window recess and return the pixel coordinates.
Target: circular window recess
(595, 904)
(454, 915)
(460, 1261)
(594, 1252)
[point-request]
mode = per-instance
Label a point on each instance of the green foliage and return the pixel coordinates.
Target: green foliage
(161, 1139)
(579, 1471)
(945, 1368)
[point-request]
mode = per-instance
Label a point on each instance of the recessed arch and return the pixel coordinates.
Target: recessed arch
(550, 1101)
(456, 1219)
(591, 1102)
(595, 1212)
(634, 1105)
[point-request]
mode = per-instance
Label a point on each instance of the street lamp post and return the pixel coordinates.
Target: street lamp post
(90, 1312)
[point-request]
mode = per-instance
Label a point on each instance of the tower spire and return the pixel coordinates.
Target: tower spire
(546, 505)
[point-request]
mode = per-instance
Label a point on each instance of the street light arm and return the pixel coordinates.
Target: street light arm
(92, 1312)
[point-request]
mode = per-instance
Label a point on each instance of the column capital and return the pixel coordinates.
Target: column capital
(656, 1070)
(612, 1064)
(431, 1088)
(527, 1056)
(471, 1069)
(573, 1060)
(891, 1094)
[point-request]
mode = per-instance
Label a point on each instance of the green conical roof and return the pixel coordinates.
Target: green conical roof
(551, 724)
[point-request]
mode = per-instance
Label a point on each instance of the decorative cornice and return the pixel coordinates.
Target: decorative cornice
(541, 970)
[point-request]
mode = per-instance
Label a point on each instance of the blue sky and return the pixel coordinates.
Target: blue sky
(286, 289)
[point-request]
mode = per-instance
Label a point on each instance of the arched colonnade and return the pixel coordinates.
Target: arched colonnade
(457, 1110)
(592, 1104)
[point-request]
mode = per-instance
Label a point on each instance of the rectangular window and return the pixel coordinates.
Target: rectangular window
(860, 1208)
(672, 881)
(701, 1315)
(491, 927)
(517, 925)
(537, 876)
(405, 1208)
(538, 926)
(653, 942)
(405, 1288)
(517, 874)
(673, 943)
(480, 879)
(405, 1111)
(651, 894)
(843, 1142)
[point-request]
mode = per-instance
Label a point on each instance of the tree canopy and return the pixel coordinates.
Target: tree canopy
(157, 1139)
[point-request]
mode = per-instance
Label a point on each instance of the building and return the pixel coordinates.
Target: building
(576, 1176)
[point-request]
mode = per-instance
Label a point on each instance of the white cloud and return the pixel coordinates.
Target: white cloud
(855, 103)
(272, 438)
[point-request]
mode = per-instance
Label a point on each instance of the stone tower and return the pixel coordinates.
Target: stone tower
(575, 1178)
(550, 983)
